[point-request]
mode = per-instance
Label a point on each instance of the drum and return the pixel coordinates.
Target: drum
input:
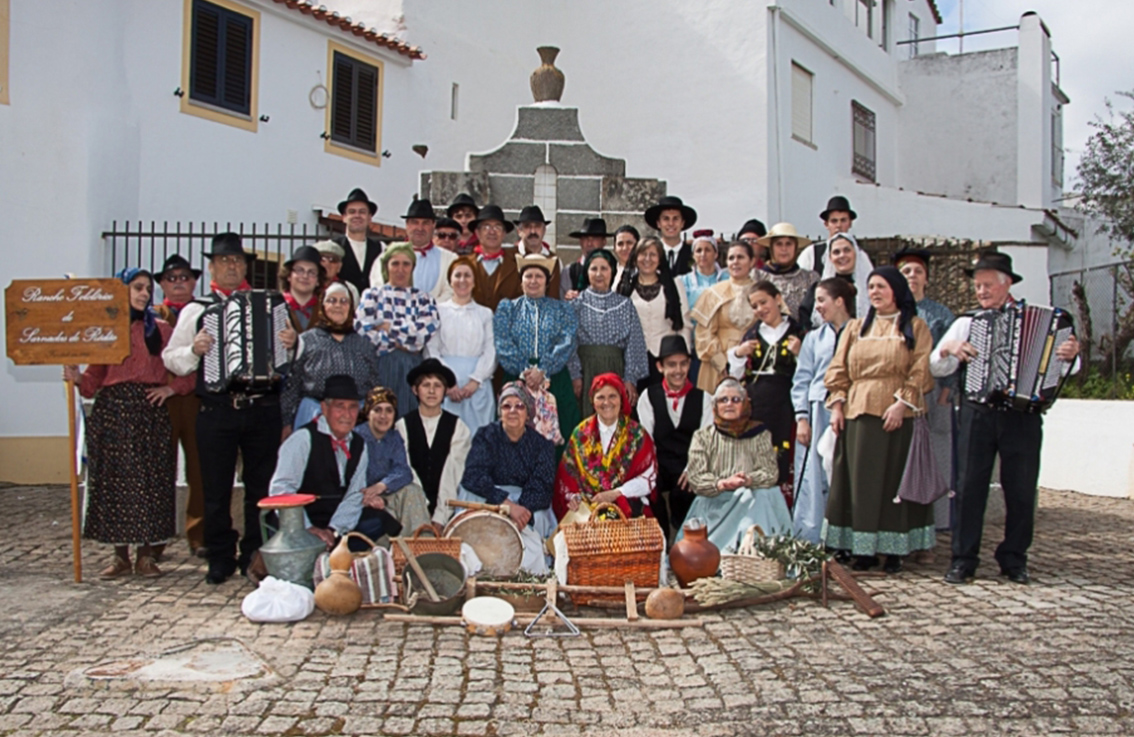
(493, 537)
(487, 615)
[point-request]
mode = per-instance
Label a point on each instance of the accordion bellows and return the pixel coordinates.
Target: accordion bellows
(247, 351)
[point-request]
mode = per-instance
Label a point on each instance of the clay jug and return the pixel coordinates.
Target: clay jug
(338, 593)
(694, 556)
(547, 81)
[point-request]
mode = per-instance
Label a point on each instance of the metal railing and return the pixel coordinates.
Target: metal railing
(1101, 299)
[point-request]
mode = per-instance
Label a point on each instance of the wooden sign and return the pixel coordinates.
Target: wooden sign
(67, 321)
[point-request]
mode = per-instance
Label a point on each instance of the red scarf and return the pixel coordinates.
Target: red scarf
(308, 309)
(342, 445)
(677, 395)
(423, 251)
(479, 250)
(244, 287)
(175, 306)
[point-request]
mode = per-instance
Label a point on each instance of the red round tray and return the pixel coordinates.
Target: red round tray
(283, 501)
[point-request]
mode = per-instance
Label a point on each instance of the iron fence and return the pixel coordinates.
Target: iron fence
(1101, 299)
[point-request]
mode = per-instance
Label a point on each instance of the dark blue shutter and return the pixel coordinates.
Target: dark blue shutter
(354, 103)
(220, 67)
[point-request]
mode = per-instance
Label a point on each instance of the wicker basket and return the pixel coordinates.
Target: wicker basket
(612, 552)
(419, 545)
(748, 567)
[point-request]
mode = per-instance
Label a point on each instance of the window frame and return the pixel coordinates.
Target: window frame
(914, 35)
(246, 121)
(340, 148)
(809, 140)
(867, 168)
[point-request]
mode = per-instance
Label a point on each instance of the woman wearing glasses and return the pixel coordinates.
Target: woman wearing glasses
(732, 470)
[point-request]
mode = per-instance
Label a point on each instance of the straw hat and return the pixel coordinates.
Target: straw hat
(783, 230)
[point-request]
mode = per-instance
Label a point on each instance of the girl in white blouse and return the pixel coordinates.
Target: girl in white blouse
(659, 300)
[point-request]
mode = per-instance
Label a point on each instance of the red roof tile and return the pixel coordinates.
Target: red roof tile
(320, 12)
(932, 6)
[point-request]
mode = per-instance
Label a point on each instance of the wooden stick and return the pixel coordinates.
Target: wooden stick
(76, 510)
(498, 508)
(580, 622)
(470, 587)
(631, 603)
(862, 599)
(823, 578)
(569, 588)
(412, 560)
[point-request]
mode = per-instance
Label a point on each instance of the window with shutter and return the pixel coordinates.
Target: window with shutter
(801, 83)
(354, 115)
(221, 40)
(864, 142)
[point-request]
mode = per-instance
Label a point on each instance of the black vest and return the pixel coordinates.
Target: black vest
(352, 271)
(321, 477)
(427, 460)
(672, 443)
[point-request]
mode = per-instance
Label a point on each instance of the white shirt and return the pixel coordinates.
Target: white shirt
(646, 411)
(178, 355)
(466, 330)
(771, 335)
(359, 249)
(671, 254)
(939, 366)
(454, 467)
(655, 326)
(637, 487)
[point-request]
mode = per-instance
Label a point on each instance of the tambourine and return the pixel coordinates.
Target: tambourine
(487, 615)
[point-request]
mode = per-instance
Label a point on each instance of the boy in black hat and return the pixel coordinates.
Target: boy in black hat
(431, 264)
(837, 218)
(360, 248)
(670, 216)
(464, 211)
(671, 412)
(591, 238)
(984, 433)
(437, 442)
(301, 281)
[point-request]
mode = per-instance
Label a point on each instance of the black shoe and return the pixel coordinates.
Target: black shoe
(220, 570)
(893, 564)
(201, 552)
(842, 557)
(959, 573)
(1018, 575)
(864, 562)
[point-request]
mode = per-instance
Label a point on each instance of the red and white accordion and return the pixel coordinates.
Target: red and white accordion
(1016, 366)
(247, 352)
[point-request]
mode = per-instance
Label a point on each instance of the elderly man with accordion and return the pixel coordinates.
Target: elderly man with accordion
(1013, 358)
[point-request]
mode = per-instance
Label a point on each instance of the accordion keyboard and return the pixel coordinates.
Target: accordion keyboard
(210, 322)
(976, 372)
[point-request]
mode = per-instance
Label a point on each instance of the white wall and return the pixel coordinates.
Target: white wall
(1087, 447)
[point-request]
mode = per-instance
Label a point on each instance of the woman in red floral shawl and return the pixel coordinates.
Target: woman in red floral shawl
(609, 457)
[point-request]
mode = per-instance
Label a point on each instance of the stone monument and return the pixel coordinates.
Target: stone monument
(548, 162)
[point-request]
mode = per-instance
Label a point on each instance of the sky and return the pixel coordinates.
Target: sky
(1091, 38)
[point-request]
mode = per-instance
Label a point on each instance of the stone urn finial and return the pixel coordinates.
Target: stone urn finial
(547, 81)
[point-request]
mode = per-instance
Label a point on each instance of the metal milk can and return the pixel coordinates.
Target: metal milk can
(291, 552)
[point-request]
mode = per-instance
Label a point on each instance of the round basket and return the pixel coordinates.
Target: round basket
(746, 566)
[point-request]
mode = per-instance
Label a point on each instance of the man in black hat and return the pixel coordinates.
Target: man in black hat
(437, 441)
(986, 432)
(464, 211)
(447, 234)
(327, 458)
(671, 412)
(178, 281)
(838, 219)
(670, 216)
(751, 233)
(496, 276)
(361, 249)
(243, 420)
(431, 264)
(532, 228)
(591, 238)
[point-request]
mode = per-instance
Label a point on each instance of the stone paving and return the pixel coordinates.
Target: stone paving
(1053, 657)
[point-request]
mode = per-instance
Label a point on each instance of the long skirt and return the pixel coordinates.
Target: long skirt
(771, 404)
(566, 403)
(597, 359)
(132, 471)
(534, 535)
(479, 409)
(811, 480)
(730, 514)
(861, 514)
(392, 370)
(941, 440)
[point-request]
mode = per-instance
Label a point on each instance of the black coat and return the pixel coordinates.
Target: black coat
(352, 272)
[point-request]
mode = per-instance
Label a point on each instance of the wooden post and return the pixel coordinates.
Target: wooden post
(76, 509)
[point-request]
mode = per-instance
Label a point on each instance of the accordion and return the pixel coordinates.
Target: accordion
(1016, 366)
(247, 352)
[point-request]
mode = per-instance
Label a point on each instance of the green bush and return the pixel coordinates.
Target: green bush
(1093, 385)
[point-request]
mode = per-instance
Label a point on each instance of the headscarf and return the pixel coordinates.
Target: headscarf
(743, 426)
(611, 379)
(324, 322)
(859, 278)
(468, 261)
(518, 390)
(629, 283)
(903, 297)
(392, 250)
(584, 278)
(379, 395)
(147, 316)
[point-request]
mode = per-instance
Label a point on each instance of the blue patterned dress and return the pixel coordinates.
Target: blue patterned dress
(609, 339)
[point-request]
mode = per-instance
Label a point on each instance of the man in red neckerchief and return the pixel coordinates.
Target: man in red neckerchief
(464, 211)
(671, 412)
(496, 275)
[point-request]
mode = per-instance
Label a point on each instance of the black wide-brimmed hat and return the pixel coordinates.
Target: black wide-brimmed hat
(688, 214)
(752, 226)
(532, 214)
(432, 367)
(444, 222)
(1001, 262)
(310, 254)
(420, 209)
(838, 203)
(462, 200)
(228, 244)
(491, 212)
(592, 227)
(920, 254)
(673, 345)
(357, 195)
(341, 386)
(177, 261)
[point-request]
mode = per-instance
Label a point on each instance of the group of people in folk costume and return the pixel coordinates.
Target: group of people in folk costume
(673, 378)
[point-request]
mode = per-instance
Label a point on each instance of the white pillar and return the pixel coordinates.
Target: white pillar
(1033, 113)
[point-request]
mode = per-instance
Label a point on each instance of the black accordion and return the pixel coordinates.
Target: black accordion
(1016, 366)
(247, 353)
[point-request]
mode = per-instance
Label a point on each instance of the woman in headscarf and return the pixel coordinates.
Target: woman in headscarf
(722, 316)
(330, 347)
(845, 260)
(132, 464)
(732, 470)
(609, 338)
(782, 269)
(658, 299)
(808, 394)
(389, 479)
(398, 318)
(609, 458)
(464, 342)
(510, 463)
(535, 340)
(877, 381)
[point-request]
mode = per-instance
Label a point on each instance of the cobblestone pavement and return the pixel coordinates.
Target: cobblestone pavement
(1052, 657)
